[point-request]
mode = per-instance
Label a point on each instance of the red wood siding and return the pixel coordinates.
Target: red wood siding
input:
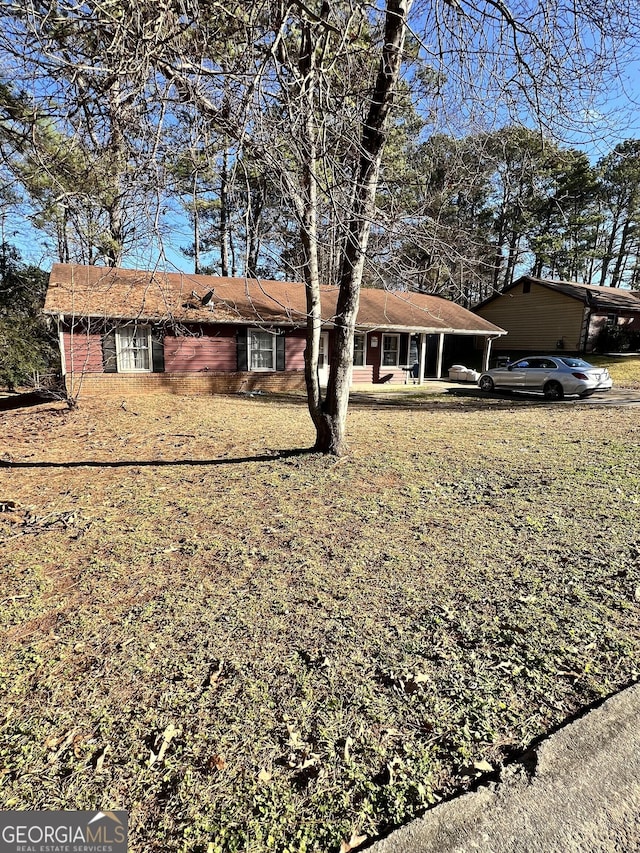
(362, 375)
(211, 351)
(83, 352)
(294, 348)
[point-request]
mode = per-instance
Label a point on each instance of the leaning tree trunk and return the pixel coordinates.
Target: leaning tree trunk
(330, 422)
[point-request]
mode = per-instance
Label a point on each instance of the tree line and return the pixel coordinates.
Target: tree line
(459, 216)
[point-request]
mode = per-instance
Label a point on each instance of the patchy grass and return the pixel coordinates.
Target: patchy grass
(624, 369)
(253, 649)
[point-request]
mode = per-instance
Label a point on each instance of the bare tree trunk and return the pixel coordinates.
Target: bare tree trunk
(196, 224)
(253, 215)
(608, 255)
(622, 253)
(512, 258)
(224, 214)
(330, 428)
(117, 152)
(309, 231)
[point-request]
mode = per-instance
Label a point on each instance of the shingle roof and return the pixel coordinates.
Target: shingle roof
(603, 298)
(99, 292)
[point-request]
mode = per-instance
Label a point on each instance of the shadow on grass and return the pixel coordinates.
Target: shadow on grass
(28, 399)
(163, 463)
(448, 399)
(416, 399)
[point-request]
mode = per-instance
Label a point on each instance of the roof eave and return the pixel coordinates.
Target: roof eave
(427, 330)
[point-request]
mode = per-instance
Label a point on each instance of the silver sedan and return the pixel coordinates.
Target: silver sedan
(552, 375)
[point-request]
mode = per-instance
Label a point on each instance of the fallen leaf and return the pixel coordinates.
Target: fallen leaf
(215, 671)
(216, 762)
(348, 743)
(295, 741)
(77, 745)
(169, 733)
(483, 766)
(101, 758)
(264, 775)
(352, 843)
(68, 740)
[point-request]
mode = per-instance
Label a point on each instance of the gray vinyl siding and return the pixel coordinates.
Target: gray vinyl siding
(535, 321)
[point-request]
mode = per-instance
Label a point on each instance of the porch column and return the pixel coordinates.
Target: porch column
(487, 353)
(422, 358)
(440, 354)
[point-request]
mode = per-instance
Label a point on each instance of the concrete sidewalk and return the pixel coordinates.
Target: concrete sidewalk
(579, 793)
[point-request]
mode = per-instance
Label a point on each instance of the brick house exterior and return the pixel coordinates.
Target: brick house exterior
(130, 330)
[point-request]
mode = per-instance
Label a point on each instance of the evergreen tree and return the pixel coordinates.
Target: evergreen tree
(27, 346)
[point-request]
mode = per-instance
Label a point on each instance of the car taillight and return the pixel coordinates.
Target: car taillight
(580, 375)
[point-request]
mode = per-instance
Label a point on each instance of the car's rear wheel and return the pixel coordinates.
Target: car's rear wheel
(553, 391)
(486, 383)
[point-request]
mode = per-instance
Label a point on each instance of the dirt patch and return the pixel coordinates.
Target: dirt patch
(331, 645)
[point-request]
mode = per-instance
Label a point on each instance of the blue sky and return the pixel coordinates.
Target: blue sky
(606, 120)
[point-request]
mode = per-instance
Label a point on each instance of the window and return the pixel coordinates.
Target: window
(390, 350)
(542, 364)
(414, 354)
(612, 320)
(574, 362)
(358, 350)
(133, 349)
(322, 350)
(262, 350)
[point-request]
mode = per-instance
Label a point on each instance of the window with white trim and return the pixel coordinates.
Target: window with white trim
(261, 348)
(358, 350)
(133, 349)
(390, 350)
(322, 350)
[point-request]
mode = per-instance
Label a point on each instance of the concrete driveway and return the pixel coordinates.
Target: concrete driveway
(616, 397)
(578, 791)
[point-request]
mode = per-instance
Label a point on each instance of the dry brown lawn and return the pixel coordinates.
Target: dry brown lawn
(252, 648)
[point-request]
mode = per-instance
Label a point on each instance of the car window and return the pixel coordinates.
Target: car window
(547, 364)
(520, 364)
(575, 362)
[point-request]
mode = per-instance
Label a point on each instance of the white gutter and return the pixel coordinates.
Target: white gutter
(487, 351)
